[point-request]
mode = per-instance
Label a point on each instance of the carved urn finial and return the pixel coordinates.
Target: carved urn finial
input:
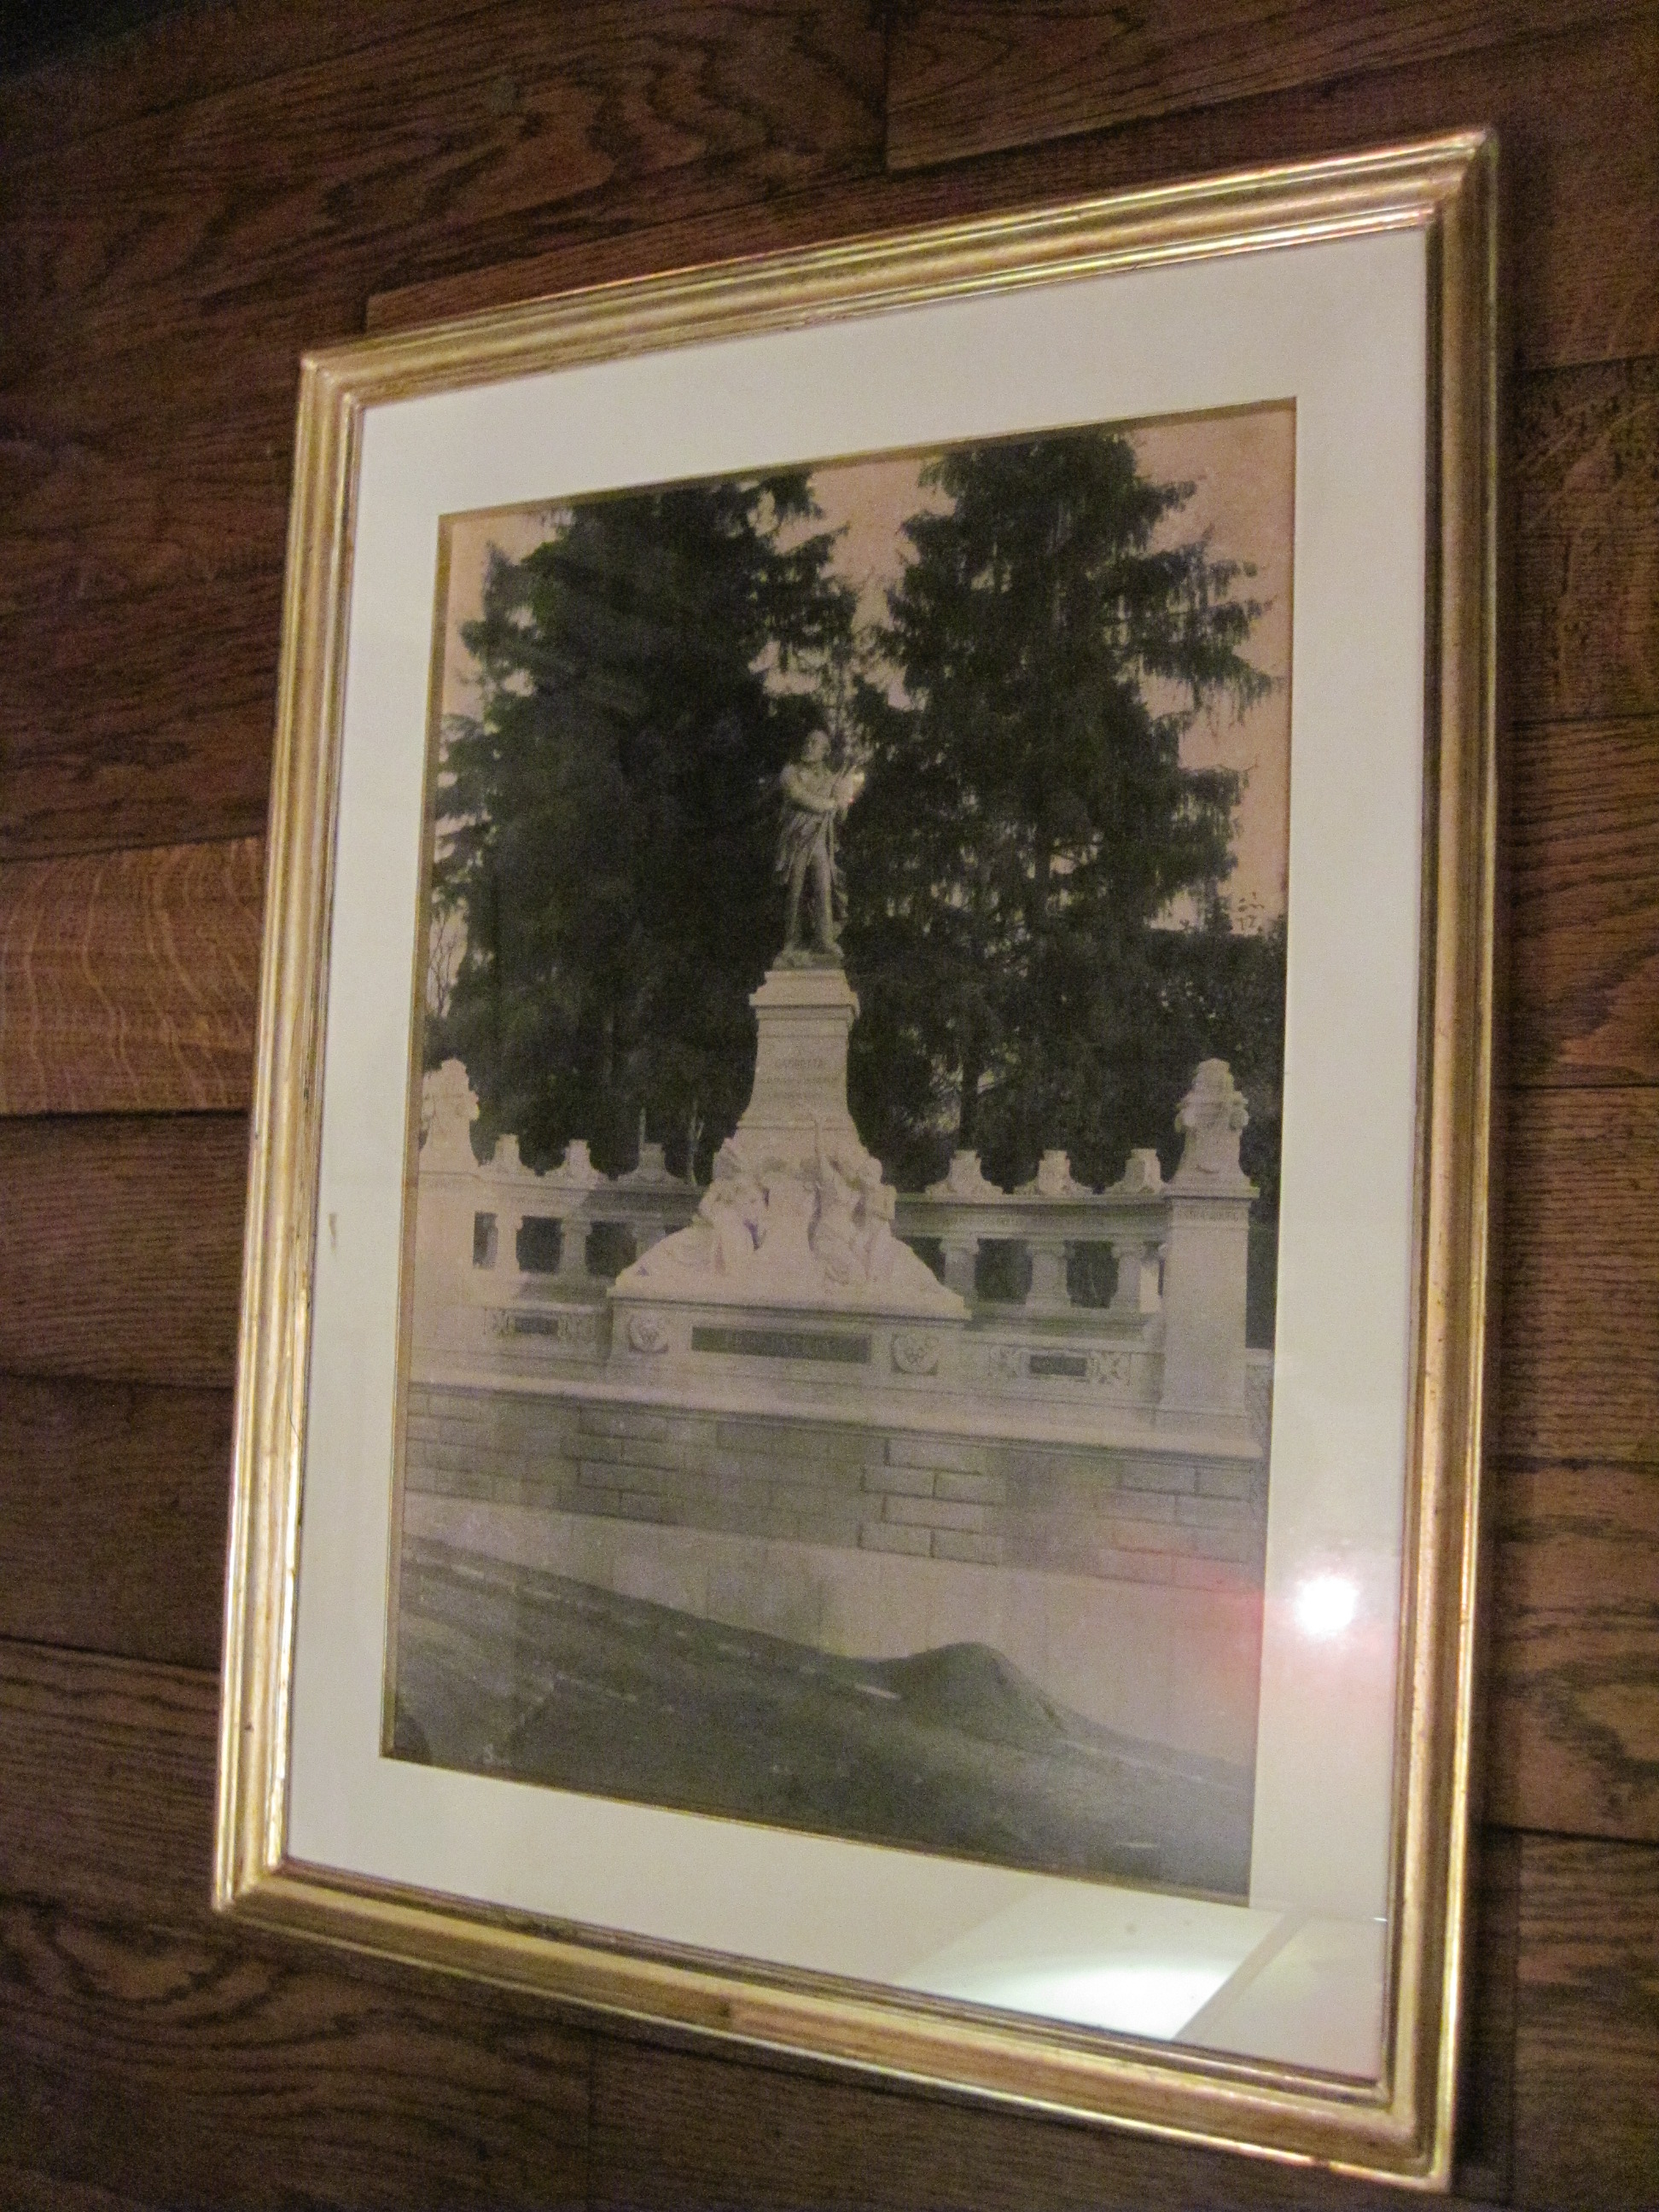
(1211, 1119)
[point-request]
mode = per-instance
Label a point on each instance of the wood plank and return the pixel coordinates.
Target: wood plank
(980, 77)
(115, 1762)
(114, 1501)
(146, 720)
(153, 2050)
(1587, 2039)
(1581, 192)
(206, 2068)
(121, 478)
(1586, 480)
(34, 2191)
(355, 159)
(1579, 1363)
(1573, 1728)
(196, 49)
(129, 980)
(120, 1246)
(1583, 881)
(671, 2128)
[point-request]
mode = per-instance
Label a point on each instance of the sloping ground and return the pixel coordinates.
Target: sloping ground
(506, 1670)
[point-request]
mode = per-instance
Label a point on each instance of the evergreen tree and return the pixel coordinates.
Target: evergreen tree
(1027, 819)
(609, 814)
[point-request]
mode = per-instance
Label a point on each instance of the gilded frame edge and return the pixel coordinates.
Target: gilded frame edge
(1403, 2130)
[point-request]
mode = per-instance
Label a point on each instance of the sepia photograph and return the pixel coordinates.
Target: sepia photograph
(839, 1311)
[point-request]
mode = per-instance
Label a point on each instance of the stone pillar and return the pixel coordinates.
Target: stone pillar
(572, 1249)
(960, 1256)
(1207, 1252)
(1048, 1293)
(1137, 1289)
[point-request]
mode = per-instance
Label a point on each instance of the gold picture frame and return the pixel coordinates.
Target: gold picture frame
(1410, 230)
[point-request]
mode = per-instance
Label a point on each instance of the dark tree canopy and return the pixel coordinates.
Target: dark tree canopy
(616, 811)
(1028, 818)
(611, 812)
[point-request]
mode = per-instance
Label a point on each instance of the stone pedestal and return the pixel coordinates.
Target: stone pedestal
(797, 1220)
(803, 1019)
(1206, 1253)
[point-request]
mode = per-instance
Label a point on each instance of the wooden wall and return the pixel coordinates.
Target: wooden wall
(182, 211)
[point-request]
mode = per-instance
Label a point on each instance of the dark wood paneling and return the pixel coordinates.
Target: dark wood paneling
(242, 192)
(113, 1504)
(147, 2048)
(1580, 184)
(671, 2128)
(204, 2069)
(119, 479)
(145, 720)
(40, 2192)
(1586, 2026)
(1586, 471)
(195, 49)
(128, 981)
(1583, 948)
(122, 1249)
(1579, 1360)
(1573, 1728)
(115, 1762)
(975, 78)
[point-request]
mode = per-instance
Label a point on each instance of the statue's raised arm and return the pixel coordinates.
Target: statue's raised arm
(814, 793)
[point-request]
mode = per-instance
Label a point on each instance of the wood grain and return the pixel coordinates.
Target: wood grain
(1583, 926)
(147, 720)
(1586, 2026)
(1581, 191)
(114, 1505)
(1579, 1360)
(123, 480)
(34, 2191)
(201, 2069)
(545, 108)
(977, 78)
(1573, 1729)
(128, 981)
(120, 1246)
(196, 49)
(114, 1761)
(1586, 479)
(672, 2127)
(151, 2050)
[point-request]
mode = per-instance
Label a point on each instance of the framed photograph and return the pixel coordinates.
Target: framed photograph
(861, 1383)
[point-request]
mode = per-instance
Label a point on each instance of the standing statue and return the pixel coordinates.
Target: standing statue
(814, 793)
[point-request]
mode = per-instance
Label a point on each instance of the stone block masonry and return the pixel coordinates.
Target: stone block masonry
(1189, 1521)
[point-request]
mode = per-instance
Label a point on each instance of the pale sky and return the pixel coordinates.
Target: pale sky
(1242, 464)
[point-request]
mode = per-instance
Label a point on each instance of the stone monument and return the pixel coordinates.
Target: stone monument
(792, 1256)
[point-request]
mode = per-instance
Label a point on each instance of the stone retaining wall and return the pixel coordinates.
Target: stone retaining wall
(1195, 1523)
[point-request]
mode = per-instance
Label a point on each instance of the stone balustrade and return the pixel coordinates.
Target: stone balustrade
(1172, 1326)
